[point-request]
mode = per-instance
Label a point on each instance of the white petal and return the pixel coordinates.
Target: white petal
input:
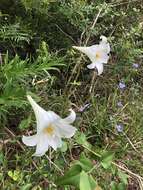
(94, 50)
(86, 50)
(64, 130)
(71, 118)
(30, 140)
(42, 145)
(91, 51)
(104, 58)
(104, 45)
(91, 66)
(103, 39)
(105, 48)
(99, 67)
(43, 117)
(37, 109)
(82, 49)
(55, 142)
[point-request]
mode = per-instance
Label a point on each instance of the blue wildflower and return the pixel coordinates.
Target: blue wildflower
(119, 104)
(122, 85)
(83, 108)
(119, 128)
(135, 65)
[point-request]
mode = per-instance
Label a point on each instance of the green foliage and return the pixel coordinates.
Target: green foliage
(71, 177)
(36, 4)
(12, 33)
(84, 181)
(17, 73)
(78, 175)
(36, 37)
(106, 159)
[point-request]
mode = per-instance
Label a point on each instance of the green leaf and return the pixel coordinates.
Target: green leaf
(64, 147)
(123, 177)
(93, 183)
(84, 181)
(71, 177)
(81, 138)
(85, 163)
(122, 186)
(113, 185)
(113, 170)
(26, 187)
(106, 159)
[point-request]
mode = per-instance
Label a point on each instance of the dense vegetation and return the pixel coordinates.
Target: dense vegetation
(36, 58)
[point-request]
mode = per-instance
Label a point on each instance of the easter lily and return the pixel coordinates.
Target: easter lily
(98, 54)
(50, 129)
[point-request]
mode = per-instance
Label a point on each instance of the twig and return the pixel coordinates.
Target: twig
(86, 42)
(128, 171)
(57, 167)
(94, 72)
(65, 33)
(13, 135)
(92, 81)
(74, 69)
(140, 184)
(130, 142)
(93, 25)
(117, 165)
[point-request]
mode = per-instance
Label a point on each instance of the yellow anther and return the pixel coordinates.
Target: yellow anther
(49, 130)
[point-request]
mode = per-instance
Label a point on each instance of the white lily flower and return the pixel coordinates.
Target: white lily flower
(50, 129)
(98, 54)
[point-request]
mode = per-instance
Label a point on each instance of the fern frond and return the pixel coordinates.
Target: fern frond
(13, 32)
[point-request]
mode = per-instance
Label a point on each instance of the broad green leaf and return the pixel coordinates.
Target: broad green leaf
(106, 159)
(122, 186)
(93, 183)
(71, 177)
(85, 163)
(84, 181)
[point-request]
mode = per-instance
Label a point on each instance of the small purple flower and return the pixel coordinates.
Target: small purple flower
(119, 104)
(135, 65)
(119, 128)
(83, 108)
(122, 85)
